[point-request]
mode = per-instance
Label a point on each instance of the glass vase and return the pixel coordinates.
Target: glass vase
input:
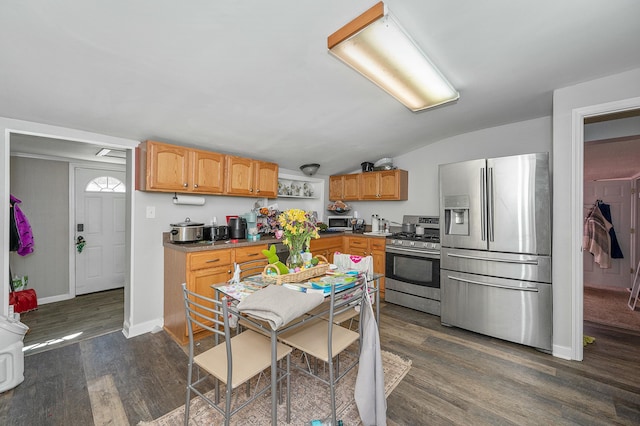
(295, 257)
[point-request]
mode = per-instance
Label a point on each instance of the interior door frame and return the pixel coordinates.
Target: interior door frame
(578, 116)
(72, 213)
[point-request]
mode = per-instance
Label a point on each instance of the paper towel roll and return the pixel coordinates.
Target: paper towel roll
(188, 199)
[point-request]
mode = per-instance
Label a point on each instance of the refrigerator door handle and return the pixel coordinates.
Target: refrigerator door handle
(488, 259)
(483, 204)
(490, 203)
(506, 287)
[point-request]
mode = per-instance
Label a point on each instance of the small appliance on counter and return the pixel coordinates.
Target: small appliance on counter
(220, 233)
(358, 226)
(186, 232)
(237, 228)
(215, 233)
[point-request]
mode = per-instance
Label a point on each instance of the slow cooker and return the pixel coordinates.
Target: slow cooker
(187, 231)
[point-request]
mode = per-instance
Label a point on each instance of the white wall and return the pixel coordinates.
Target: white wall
(567, 198)
(43, 188)
(422, 164)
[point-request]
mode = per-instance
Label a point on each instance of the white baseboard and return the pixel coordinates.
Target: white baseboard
(147, 327)
(563, 352)
(52, 299)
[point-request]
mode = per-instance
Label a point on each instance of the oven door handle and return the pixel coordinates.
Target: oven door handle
(506, 287)
(415, 252)
(520, 262)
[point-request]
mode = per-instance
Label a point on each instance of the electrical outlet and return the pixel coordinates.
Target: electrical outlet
(151, 212)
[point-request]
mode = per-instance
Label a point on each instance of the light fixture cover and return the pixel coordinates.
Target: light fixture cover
(376, 45)
(310, 169)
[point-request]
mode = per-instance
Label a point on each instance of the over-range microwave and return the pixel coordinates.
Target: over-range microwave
(339, 223)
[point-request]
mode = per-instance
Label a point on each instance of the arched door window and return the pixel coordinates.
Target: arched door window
(106, 184)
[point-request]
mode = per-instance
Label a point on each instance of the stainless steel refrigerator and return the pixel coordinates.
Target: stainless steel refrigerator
(495, 233)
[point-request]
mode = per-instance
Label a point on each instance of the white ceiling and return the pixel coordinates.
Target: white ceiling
(254, 77)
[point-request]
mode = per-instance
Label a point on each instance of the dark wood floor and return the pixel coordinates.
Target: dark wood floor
(61, 323)
(457, 377)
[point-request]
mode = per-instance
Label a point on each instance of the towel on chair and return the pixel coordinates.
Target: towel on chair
(279, 305)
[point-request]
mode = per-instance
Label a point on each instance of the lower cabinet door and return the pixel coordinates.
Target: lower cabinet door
(200, 282)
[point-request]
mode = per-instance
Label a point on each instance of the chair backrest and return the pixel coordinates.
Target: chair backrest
(252, 267)
(354, 262)
(344, 301)
(211, 315)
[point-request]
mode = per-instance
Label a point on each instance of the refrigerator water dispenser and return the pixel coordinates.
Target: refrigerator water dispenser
(456, 215)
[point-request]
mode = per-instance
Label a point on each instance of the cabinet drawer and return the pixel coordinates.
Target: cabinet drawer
(209, 259)
(358, 243)
(324, 243)
(244, 254)
(377, 244)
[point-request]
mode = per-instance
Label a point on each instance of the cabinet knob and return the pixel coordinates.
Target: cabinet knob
(185, 184)
(258, 190)
(195, 185)
(250, 189)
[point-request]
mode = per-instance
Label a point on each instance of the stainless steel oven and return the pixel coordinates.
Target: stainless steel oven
(412, 272)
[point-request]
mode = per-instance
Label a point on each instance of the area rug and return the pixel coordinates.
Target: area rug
(309, 400)
(608, 306)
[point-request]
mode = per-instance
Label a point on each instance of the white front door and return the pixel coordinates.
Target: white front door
(99, 229)
(618, 195)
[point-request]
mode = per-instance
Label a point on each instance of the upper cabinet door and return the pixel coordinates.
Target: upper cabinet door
(393, 185)
(208, 172)
(336, 187)
(351, 187)
(266, 179)
(168, 167)
(240, 176)
(369, 186)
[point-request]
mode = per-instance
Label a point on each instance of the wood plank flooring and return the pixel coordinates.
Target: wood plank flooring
(61, 323)
(457, 377)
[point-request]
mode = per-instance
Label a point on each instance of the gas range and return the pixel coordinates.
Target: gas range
(428, 241)
(412, 266)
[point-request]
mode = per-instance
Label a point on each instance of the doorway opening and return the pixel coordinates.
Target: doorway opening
(44, 169)
(611, 168)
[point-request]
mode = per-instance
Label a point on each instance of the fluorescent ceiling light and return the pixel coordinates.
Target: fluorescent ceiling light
(375, 45)
(103, 152)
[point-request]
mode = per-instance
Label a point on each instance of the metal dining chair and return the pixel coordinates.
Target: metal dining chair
(325, 340)
(232, 361)
(362, 264)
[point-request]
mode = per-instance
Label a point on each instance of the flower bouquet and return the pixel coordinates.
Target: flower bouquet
(297, 229)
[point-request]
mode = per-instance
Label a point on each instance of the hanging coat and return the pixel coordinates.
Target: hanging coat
(616, 251)
(21, 228)
(596, 239)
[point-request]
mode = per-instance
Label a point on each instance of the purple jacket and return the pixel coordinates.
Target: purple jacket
(25, 236)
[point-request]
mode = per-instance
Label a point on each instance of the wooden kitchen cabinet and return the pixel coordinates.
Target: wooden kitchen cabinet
(171, 168)
(369, 186)
(244, 254)
(384, 185)
(344, 187)
(327, 246)
(207, 172)
(369, 246)
(199, 271)
(247, 177)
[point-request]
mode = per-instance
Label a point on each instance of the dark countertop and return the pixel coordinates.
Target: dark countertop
(218, 245)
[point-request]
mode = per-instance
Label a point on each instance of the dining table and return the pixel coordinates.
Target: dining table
(275, 317)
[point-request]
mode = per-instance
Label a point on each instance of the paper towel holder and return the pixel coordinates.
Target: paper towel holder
(191, 200)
